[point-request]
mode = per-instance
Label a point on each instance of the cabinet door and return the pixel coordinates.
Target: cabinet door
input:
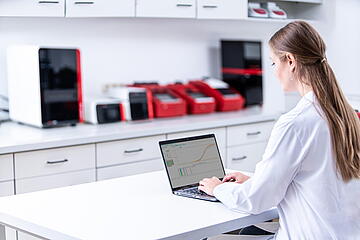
(245, 157)
(6, 167)
(249, 133)
(32, 8)
(100, 8)
(166, 8)
(54, 161)
(220, 134)
(222, 9)
(129, 169)
(54, 181)
(128, 151)
(6, 188)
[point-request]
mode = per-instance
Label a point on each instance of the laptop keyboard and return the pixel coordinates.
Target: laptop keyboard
(195, 191)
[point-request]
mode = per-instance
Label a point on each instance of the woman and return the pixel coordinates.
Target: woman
(311, 165)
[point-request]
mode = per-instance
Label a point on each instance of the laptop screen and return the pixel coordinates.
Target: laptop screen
(189, 160)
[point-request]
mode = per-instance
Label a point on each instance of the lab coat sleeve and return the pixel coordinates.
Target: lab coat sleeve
(273, 174)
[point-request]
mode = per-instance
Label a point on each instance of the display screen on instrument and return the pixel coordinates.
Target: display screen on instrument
(165, 97)
(228, 92)
(195, 94)
(188, 162)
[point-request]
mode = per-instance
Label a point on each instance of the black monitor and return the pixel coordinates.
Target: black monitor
(242, 68)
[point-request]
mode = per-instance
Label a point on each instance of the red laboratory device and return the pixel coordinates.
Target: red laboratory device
(227, 99)
(166, 103)
(197, 102)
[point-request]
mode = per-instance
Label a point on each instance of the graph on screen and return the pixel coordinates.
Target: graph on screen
(189, 162)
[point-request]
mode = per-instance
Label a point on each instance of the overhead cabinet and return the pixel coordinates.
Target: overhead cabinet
(166, 8)
(100, 8)
(32, 8)
(221, 9)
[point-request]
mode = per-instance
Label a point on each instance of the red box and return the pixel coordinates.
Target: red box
(197, 102)
(166, 103)
(227, 99)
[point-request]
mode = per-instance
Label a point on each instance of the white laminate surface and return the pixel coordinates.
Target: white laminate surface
(136, 207)
(17, 138)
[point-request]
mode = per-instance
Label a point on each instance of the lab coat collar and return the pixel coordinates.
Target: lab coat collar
(309, 96)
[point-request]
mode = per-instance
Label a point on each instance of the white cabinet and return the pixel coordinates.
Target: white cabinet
(246, 145)
(130, 169)
(57, 167)
(6, 167)
(222, 9)
(54, 161)
(6, 175)
(128, 151)
(55, 181)
(127, 157)
(6, 188)
(245, 157)
(166, 8)
(249, 133)
(100, 8)
(220, 134)
(32, 8)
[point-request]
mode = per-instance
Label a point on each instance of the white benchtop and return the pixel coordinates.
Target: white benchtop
(15, 137)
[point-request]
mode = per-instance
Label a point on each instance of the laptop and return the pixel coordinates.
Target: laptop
(189, 160)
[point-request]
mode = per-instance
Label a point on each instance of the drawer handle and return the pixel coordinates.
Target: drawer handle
(210, 6)
(56, 162)
(134, 151)
(239, 158)
(43, 2)
(183, 5)
(83, 3)
(253, 133)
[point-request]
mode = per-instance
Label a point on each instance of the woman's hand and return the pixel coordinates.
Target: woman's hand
(235, 177)
(208, 185)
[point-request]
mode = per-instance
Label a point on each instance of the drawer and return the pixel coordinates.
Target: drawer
(54, 181)
(129, 169)
(6, 188)
(166, 8)
(245, 157)
(222, 9)
(32, 8)
(100, 8)
(127, 151)
(249, 133)
(54, 161)
(220, 134)
(6, 167)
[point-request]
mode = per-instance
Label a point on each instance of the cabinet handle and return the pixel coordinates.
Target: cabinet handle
(134, 151)
(253, 133)
(183, 5)
(56, 162)
(83, 3)
(210, 6)
(239, 158)
(43, 2)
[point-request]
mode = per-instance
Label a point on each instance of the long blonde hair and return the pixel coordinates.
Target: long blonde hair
(313, 69)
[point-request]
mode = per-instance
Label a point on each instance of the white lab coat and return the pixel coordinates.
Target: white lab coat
(298, 175)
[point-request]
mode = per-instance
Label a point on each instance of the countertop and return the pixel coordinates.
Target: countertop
(16, 137)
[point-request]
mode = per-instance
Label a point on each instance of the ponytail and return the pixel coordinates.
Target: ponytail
(312, 69)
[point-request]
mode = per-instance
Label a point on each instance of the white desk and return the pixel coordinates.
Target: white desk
(136, 207)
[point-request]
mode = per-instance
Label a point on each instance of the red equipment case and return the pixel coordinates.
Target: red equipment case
(227, 99)
(166, 103)
(197, 102)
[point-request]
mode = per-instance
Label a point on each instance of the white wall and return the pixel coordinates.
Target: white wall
(124, 50)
